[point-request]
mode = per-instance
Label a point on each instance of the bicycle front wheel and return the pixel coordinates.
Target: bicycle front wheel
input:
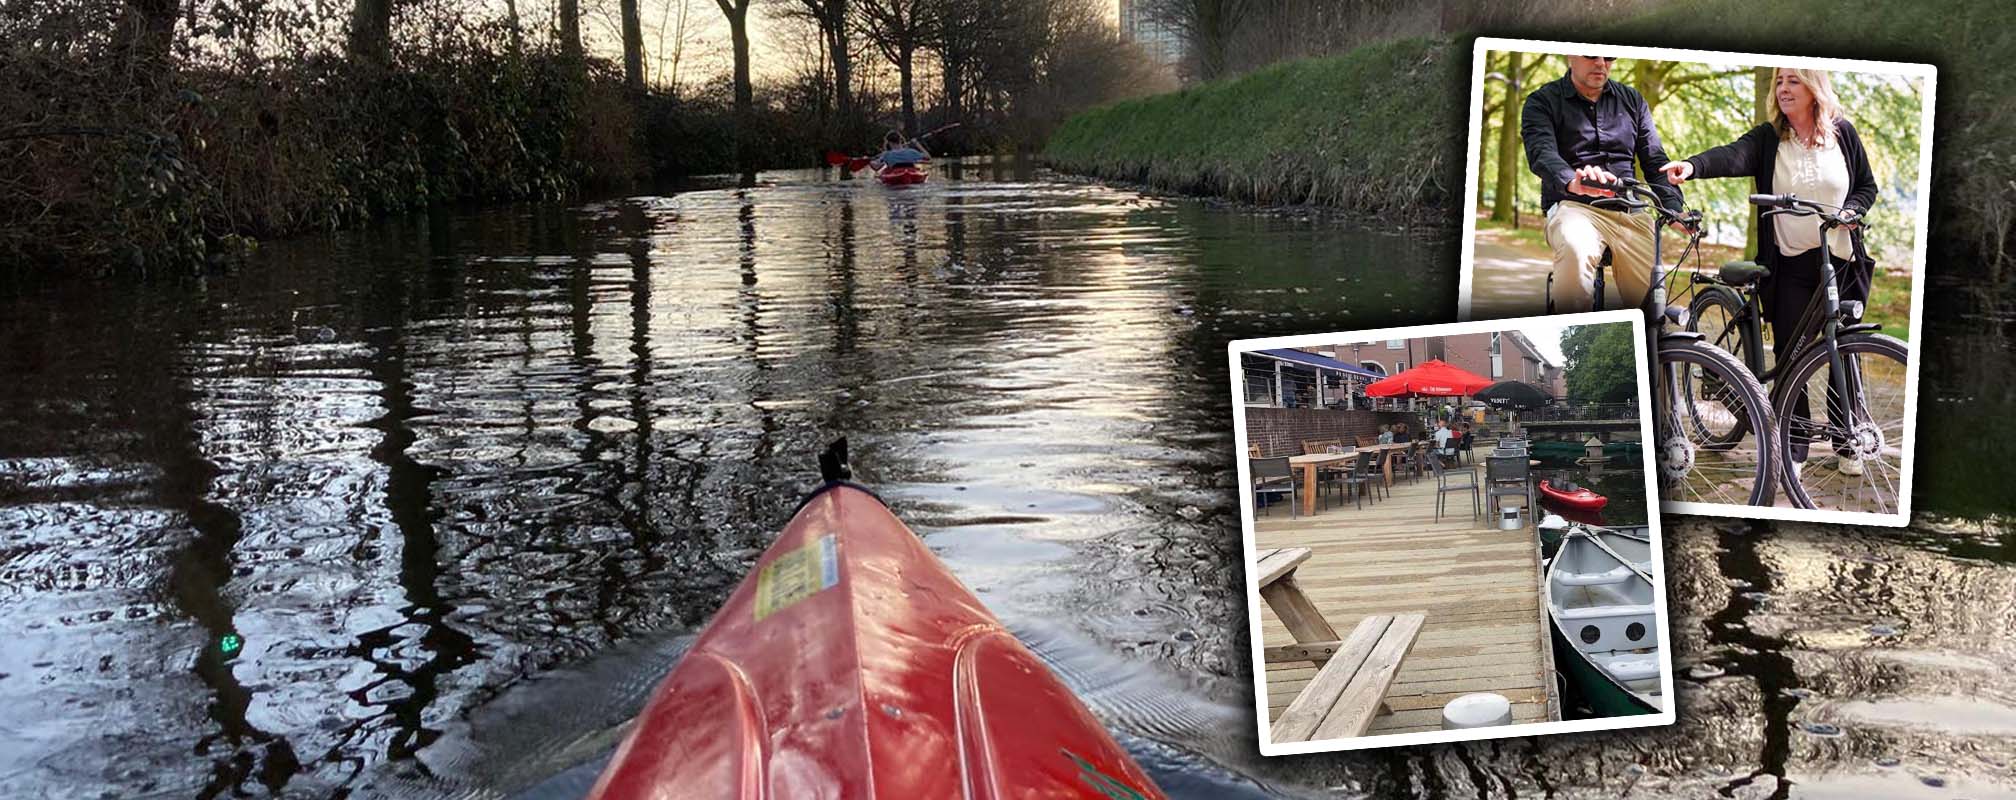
(1862, 431)
(1708, 396)
(1715, 314)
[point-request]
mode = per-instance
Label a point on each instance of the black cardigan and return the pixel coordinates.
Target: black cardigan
(1756, 155)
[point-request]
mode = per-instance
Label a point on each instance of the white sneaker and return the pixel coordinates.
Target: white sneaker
(1849, 466)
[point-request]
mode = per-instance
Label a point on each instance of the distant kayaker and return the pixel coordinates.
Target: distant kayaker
(898, 151)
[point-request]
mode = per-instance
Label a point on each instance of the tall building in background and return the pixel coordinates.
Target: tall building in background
(1139, 25)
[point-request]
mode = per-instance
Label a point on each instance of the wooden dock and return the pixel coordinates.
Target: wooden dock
(1486, 629)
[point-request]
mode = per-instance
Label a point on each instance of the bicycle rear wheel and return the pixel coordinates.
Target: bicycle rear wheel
(1703, 464)
(1714, 314)
(1867, 426)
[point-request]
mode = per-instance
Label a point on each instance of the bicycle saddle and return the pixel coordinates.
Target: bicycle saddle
(1738, 273)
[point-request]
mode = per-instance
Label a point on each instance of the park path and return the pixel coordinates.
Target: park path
(1509, 277)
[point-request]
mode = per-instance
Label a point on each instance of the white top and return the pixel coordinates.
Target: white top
(1442, 437)
(1813, 173)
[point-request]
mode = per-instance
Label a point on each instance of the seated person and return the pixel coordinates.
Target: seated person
(1443, 436)
(1400, 433)
(900, 152)
(1385, 436)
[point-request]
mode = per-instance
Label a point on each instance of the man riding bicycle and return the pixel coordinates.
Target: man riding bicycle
(1582, 131)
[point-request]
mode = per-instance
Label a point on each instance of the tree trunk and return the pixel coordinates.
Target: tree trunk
(633, 47)
(511, 22)
(570, 29)
(1503, 209)
(843, 68)
(745, 96)
(906, 71)
(955, 79)
(146, 33)
(370, 31)
(1763, 78)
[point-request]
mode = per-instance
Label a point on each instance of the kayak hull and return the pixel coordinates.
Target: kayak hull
(1580, 498)
(850, 663)
(902, 175)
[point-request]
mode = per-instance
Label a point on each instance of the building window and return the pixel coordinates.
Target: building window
(1396, 344)
(1399, 367)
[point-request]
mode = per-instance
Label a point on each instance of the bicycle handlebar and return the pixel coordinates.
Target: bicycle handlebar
(1792, 204)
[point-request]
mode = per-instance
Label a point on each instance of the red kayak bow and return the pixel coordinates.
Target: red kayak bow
(1577, 498)
(851, 664)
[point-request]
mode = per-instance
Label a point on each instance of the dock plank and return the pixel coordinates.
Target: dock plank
(1483, 630)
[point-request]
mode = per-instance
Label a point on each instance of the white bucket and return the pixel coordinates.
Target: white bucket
(1510, 519)
(1480, 710)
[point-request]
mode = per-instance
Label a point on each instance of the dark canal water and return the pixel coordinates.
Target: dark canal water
(466, 484)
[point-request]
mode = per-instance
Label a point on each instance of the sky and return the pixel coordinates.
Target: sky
(1548, 340)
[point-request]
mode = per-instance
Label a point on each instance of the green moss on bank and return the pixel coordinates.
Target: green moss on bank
(1378, 129)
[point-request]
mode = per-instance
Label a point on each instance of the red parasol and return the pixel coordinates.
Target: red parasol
(1434, 378)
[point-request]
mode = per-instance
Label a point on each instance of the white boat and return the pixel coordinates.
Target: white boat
(1606, 626)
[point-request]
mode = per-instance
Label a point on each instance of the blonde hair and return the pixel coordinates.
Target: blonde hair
(1826, 107)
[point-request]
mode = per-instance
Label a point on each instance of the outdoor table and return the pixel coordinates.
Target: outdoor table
(1308, 464)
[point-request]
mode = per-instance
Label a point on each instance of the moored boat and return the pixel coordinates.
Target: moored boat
(1572, 496)
(851, 663)
(1605, 627)
(1634, 542)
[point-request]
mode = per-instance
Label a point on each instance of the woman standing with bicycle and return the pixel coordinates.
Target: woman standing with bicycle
(1808, 149)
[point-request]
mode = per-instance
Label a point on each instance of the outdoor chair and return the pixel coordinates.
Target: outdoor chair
(1463, 450)
(1274, 476)
(1367, 441)
(1362, 478)
(1447, 481)
(1507, 476)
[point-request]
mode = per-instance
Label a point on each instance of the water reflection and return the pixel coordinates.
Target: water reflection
(422, 468)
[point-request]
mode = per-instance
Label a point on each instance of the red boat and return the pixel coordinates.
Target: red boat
(851, 664)
(902, 175)
(1576, 497)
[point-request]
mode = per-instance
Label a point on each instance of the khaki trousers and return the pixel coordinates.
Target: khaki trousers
(1577, 233)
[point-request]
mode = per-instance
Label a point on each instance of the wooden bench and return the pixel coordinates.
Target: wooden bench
(1353, 673)
(1349, 689)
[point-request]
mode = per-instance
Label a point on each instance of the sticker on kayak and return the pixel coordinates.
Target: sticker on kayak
(796, 575)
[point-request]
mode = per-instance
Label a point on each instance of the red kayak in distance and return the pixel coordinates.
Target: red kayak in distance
(1577, 498)
(852, 664)
(902, 175)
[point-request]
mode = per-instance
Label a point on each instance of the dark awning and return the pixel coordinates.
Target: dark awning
(1313, 360)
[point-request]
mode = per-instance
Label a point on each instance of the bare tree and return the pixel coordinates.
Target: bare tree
(370, 30)
(1208, 28)
(898, 28)
(737, 12)
(633, 47)
(569, 12)
(831, 17)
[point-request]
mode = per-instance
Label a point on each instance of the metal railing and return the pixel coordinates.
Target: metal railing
(1569, 412)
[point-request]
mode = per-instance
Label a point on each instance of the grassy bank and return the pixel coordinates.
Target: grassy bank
(1378, 129)
(1382, 128)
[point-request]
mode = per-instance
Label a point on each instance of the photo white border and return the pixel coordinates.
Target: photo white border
(1928, 73)
(1253, 602)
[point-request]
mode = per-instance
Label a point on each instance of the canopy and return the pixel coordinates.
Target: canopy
(1435, 378)
(1313, 360)
(1514, 394)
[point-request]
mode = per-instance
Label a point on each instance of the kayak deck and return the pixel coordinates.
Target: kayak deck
(851, 663)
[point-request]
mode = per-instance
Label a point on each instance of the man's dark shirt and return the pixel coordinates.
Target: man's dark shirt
(1563, 131)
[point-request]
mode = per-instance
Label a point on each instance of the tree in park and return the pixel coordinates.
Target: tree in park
(1502, 208)
(1602, 363)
